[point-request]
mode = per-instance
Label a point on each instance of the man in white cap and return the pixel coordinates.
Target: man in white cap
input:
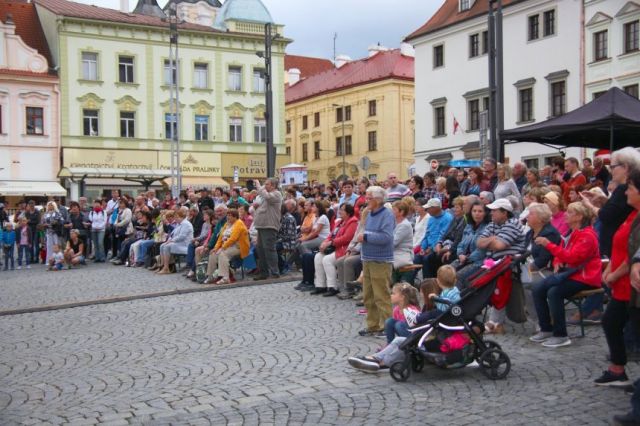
(438, 224)
(504, 235)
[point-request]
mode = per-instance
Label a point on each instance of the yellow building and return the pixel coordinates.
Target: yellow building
(369, 102)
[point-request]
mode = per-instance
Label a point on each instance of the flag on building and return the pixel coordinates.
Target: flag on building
(456, 125)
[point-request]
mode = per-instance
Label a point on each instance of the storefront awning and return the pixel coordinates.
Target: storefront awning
(204, 182)
(144, 177)
(31, 188)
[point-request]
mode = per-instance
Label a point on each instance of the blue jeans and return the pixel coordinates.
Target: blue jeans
(428, 262)
(191, 256)
(635, 400)
(548, 298)
(24, 251)
(8, 256)
(393, 328)
(143, 248)
(97, 237)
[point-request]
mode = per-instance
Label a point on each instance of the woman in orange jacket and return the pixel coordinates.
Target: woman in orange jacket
(233, 241)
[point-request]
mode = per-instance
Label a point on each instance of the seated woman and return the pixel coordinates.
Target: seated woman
(320, 229)
(178, 240)
(74, 253)
(559, 216)
(143, 229)
(402, 236)
(146, 240)
(447, 247)
(326, 274)
(581, 259)
(205, 234)
(233, 241)
(466, 252)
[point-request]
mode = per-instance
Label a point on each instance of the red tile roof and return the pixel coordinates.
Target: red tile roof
(384, 65)
(28, 27)
(448, 15)
(308, 66)
(25, 73)
(91, 12)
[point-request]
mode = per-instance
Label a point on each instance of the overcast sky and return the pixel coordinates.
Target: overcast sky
(358, 23)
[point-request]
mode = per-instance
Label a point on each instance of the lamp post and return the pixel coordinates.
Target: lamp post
(268, 41)
(342, 141)
(174, 103)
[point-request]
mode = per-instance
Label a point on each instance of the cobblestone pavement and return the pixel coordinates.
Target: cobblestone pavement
(267, 355)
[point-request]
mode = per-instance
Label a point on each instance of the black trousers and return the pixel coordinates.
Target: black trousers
(613, 321)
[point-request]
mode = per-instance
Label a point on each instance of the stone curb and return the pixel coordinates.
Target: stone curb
(200, 289)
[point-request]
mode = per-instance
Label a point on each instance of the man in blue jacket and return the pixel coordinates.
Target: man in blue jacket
(436, 227)
(377, 261)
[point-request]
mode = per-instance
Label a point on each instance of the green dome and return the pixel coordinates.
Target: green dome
(242, 10)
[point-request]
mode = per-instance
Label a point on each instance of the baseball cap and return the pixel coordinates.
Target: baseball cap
(433, 202)
(501, 203)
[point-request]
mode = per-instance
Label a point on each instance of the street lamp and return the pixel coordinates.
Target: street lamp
(342, 142)
(268, 41)
(174, 103)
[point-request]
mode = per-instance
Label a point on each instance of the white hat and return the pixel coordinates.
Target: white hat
(434, 202)
(501, 203)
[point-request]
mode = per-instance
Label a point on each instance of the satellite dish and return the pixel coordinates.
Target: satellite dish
(364, 163)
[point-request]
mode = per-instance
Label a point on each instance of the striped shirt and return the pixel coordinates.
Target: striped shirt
(511, 233)
(451, 294)
(397, 192)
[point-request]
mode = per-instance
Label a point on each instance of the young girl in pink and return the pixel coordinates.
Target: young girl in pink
(404, 298)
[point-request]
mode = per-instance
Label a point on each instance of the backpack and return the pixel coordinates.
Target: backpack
(201, 270)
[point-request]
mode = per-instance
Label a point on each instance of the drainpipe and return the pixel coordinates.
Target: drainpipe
(582, 64)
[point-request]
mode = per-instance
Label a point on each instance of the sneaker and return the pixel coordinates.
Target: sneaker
(594, 318)
(366, 332)
(28, 266)
(611, 379)
(556, 342)
(18, 267)
(363, 364)
(541, 336)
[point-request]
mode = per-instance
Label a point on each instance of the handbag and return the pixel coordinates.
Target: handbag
(561, 276)
(329, 249)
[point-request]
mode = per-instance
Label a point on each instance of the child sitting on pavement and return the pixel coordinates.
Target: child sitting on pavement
(56, 263)
(446, 279)
(404, 298)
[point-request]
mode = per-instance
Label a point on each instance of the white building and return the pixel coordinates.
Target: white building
(547, 71)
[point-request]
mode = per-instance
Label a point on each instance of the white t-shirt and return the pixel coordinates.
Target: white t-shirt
(324, 220)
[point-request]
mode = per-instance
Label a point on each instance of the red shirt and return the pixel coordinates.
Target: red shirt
(577, 180)
(621, 289)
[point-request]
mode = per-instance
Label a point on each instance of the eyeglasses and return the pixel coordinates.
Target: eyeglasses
(613, 166)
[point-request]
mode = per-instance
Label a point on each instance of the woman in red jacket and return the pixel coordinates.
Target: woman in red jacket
(580, 254)
(326, 274)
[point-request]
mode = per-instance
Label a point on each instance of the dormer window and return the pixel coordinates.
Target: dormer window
(464, 5)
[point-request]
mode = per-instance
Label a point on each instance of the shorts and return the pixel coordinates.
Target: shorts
(59, 266)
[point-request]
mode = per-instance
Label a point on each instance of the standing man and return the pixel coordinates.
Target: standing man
(267, 221)
(396, 190)
(377, 261)
(110, 233)
(33, 220)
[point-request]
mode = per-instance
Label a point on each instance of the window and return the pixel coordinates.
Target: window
(202, 127)
(170, 72)
(89, 66)
(485, 103)
(439, 119)
(632, 90)
(125, 69)
(288, 126)
(258, 81)
(474, 45)
(235, 79)
(200, 74)
(305, 122)
(287, 150)
(465, 5)
(127, 124)
(596, 95)
(373, 141)
(373, 108)
(525, 102)
(316, 119)
(90, 122)
(631, 32)
(305, 158)
(235, 130)
(534, 27)
(600, 45)
(485, 42)
(474, 114)
(558, 98)
(35, 125)
(549, 22)
(347, 146)
(438, 56)
(260, 131)
(338, 115)
(170, 126)
(347, 113)
(316, 150)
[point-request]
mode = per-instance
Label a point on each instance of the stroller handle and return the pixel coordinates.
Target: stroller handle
(443, 301)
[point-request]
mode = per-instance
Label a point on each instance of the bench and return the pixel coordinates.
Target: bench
(405, 273)
(578, 300)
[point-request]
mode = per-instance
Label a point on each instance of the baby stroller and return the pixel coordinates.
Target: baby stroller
(454, 338)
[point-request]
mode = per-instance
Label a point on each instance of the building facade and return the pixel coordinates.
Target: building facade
(29, 97)
(116, 75)
(543, 75)
(367, 103)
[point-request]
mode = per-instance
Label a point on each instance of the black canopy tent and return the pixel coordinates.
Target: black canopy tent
(611, 121)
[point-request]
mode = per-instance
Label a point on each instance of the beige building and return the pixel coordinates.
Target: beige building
(368, 102)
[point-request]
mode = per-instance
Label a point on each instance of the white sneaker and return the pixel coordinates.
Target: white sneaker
(19, 267)
(28, 266)
(556, 342)
(541, 336)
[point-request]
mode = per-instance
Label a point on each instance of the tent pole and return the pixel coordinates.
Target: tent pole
(611, 137)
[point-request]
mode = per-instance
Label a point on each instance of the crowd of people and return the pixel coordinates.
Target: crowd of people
(575, 223)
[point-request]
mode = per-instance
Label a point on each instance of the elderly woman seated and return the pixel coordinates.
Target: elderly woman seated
(233, 241)
(178, 241)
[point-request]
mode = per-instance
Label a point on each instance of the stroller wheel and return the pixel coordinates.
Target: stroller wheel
(490, 344)
(495, 364)
(400, 371)
(417, 363)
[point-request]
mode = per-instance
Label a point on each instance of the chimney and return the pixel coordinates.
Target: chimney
(407, 49)
(294, 76)
(375, 48)
(124, 6)
(342, 60)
